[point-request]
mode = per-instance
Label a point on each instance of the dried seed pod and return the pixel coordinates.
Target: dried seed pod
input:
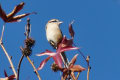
(26, 51)
(54, 67)
(29, 42)
(71, 31)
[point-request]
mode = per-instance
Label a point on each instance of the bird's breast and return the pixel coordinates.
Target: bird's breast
(53, 33)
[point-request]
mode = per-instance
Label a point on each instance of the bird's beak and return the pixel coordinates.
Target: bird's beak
(60, 22)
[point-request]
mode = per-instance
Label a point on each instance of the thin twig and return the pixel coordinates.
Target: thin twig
(87, 59)
(88, 73)
(8, 59)
(64, 59)
(81, 53)
(34, 68)
(18, 69)
(77, 75)
(73, 76)
(2, 32)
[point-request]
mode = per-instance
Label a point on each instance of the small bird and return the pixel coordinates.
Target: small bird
(54, 35)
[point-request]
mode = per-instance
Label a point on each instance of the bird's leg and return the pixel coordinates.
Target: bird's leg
(52, 43)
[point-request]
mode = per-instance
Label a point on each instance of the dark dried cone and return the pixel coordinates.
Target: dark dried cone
(26, 51)
(71, 31)
(29, 42)
(54, 67)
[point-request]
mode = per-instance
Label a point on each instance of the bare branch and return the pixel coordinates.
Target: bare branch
(18, 70)
(9, 59)
(87, 59)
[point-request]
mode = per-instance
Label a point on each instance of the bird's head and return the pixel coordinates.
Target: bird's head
(55, 21)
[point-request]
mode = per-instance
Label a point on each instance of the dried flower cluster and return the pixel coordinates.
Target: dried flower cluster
(11, 16)
(29, 43)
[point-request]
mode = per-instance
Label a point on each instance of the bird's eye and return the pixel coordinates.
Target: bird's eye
(54, 21)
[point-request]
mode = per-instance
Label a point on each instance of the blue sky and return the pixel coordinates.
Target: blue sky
(97, 31)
